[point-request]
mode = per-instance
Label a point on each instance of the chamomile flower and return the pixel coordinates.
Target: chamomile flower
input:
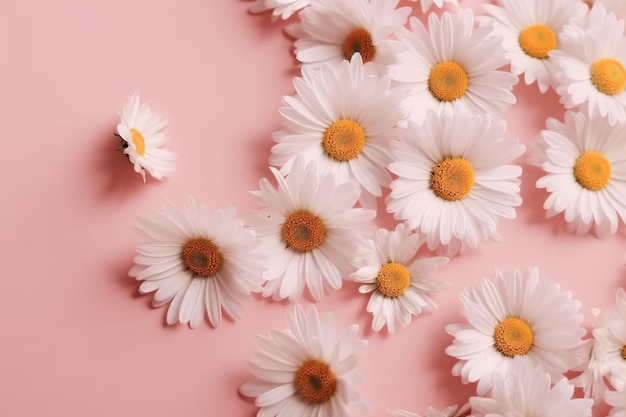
(427, 4)
(282, 9)
(308, 369)
(332, 31)
(454, 179)
(530, 32)
(199, 262)
(452, 411)
(451, 66)
(142, 139)
(310, 230)
(342, 118)
(585, 172)
(399, 284)
(590, 65)
(516, 315)
(527, 391)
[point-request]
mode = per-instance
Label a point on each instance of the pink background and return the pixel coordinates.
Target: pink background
(76, 338)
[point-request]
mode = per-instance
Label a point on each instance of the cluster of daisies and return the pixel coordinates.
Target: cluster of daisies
(411, 104)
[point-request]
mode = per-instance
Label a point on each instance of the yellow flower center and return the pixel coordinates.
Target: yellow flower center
(359, 40)
(303, 231)
(393, 279)
(315, 381)
(537, 40)
(344, 139)
(608, 76)
(513, 337)
(592, 170)
(447, 81)
(202, 257)
(138, 141)
(452, 179)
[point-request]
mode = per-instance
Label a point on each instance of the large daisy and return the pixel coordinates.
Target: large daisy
(591, 65)
(332, 31)
(199, 262)
(310, 230)
(427, 4)
(282, 9)
(140, 132)
(530, 31)
(527, 391)
(455, 179)
(585, 172)
(307, 369)
(343, 118)
(452, 65)
(399, 284)
(516, 315)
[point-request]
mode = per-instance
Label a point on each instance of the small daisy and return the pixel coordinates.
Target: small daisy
(452, 65)
(617, 400)
(516, 315)
(527, 391)
(310, 230)
(307, 369)
(530, 32)
(343, 119)
(400, 285)
(332, 31)
(427, 4)
(454, 179)
(452, 411)
(198, 262)
(590, 65)
(140, 132)
(282, 9)
(585, 172)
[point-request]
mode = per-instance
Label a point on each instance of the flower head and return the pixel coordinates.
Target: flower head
(142, 139)
(307, 369)
(199, 262)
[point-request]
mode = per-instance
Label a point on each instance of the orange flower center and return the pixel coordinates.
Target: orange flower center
(202, 257)
(303, 231)
(452, 179)
(344, 139)
(448, 81)
(315, 381)
(513, 337)
(608, 76)
(359, 40)
(138, 141)
(537, 41)
(393, 279)
(592, 170)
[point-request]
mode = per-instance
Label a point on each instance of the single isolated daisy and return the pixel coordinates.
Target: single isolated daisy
(451, 65)
(527, 391)
(427, 4)
(590, 65)
(452, 411)
(332, 31)
(281, 9)
(198, 262)
(516, 315)
(343, 118)
(530, 31)
(307, 369)
(454, 179)
(142, 139)
(585, 172)
(400, 285)
(310, 230)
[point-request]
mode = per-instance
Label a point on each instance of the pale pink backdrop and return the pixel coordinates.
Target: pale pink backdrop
(76, 339)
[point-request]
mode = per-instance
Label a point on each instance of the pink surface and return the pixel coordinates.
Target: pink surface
(76, 338)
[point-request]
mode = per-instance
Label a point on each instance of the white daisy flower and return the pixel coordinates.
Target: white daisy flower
(526, 391)
(452, 411)
(307, 369)
(142, 139)
(454, 179)
(400, 285)
(198, 262)
(590, 65)
(310, 230)
(332, 31)
(343, 119)
(530, 32)
(281, 9)
(427, 4)
(452, 65)
(617, 400)
(516, 315)
(585, 172)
